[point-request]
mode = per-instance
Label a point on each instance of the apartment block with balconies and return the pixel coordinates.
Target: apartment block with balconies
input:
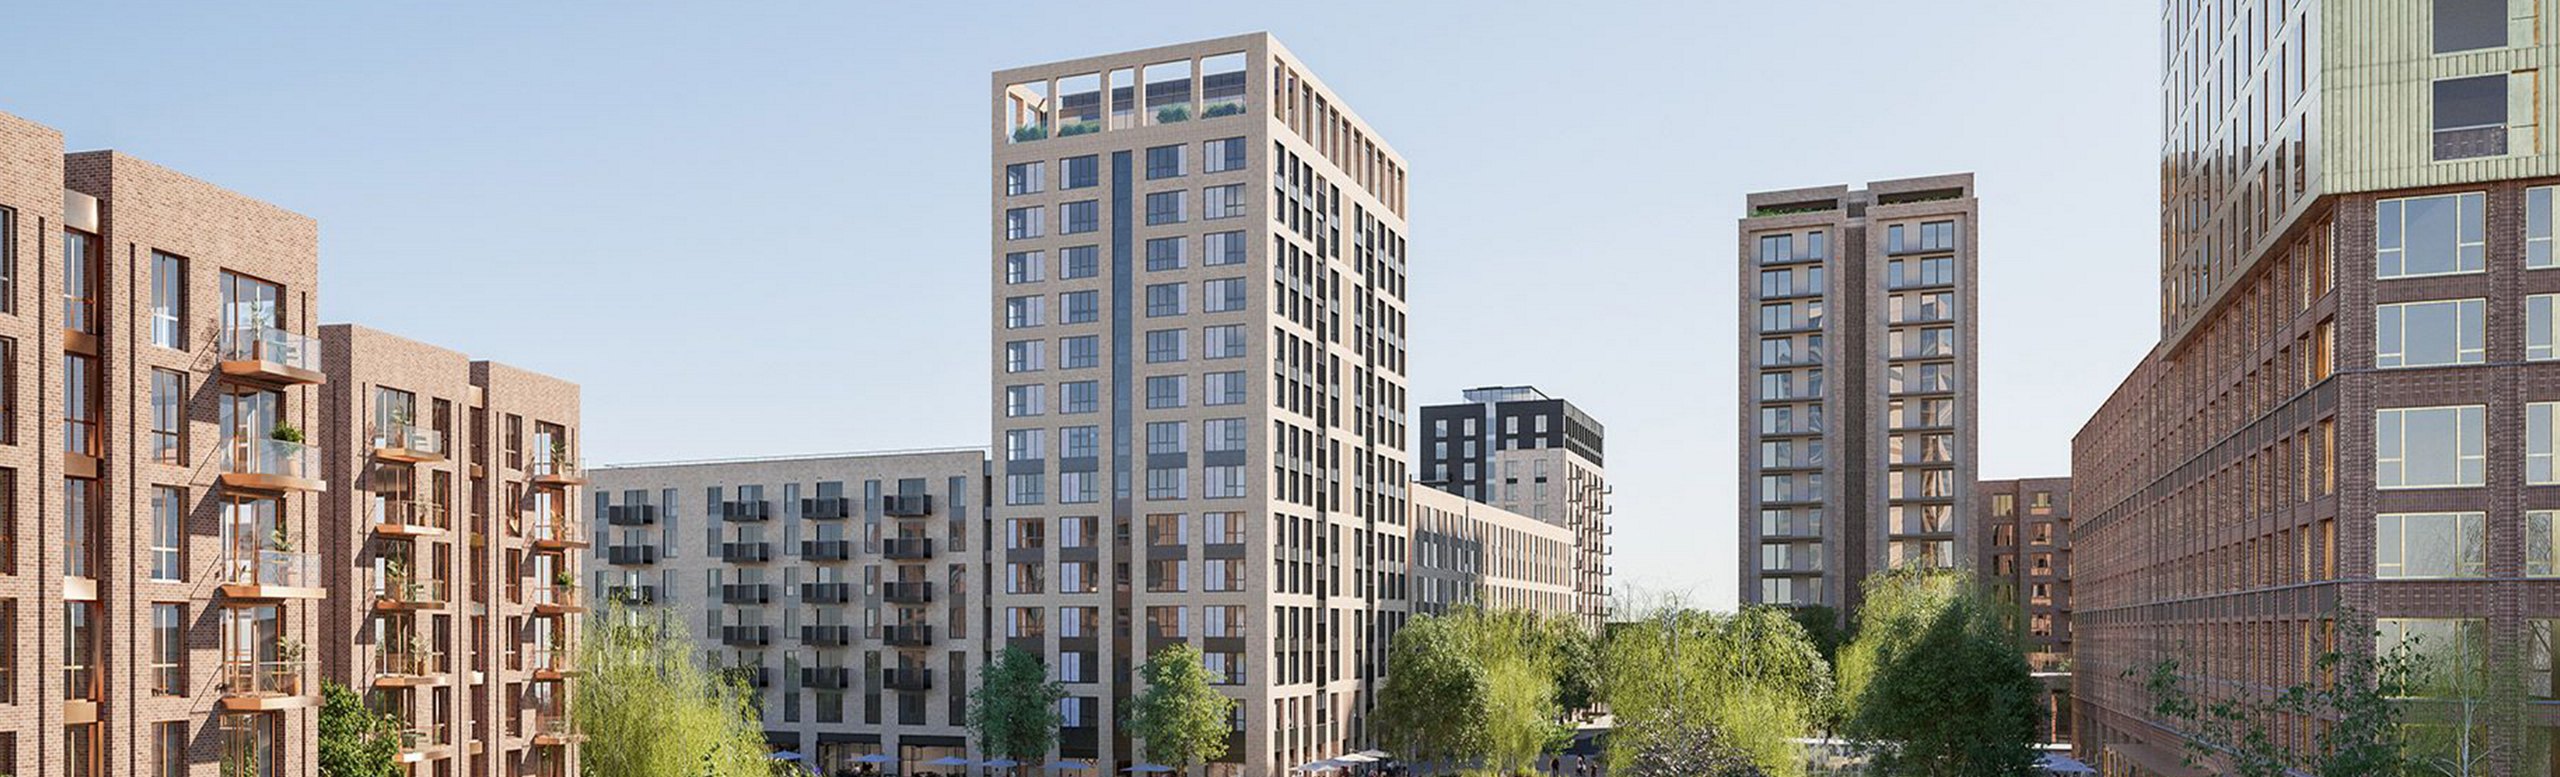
(848, 590)
(1516, 448)
(1468, 553)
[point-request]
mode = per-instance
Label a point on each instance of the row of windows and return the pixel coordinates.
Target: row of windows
(1217, 249)
(1217, 481)
(1163, 392)
(1163, 346)
(1217, 575)
(1162, 530)
(2421, 545)
(1085, 216)
(1217, 295)
(1934, 236)
(1083, 172)
(2447, 447)
(1217, 435)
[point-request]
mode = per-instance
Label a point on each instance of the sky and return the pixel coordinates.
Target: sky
(759, 228)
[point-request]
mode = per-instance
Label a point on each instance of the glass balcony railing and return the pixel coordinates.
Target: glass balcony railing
(555, 470)
(556, 660)
(266, 460)
(422, 736)
(555, 529)
(411, 591)
(410, 515)
(410, 441)
(412, 662)
(270, 345)
(556, 596)
(246, 677)
(266, 567)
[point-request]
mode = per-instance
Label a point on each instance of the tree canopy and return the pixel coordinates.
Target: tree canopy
(1014, 711)
(1936, 681)
(1750, 683)
(649, 708)
(1178, 716)
(356, 740)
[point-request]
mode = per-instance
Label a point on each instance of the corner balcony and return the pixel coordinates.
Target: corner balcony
(552, 664)
(746, 552)
(557, 599)
(831, 677)
(410, 519)
(408, 444)
(410, 593)
(827, 634)
(631, 554)
(827, 550)
(552, 728)
(826, 508)
(826, 593)
(746, 593)
(557, 473)
(266, 574)
(271, 465)
(907, 679)
(422, 742)
(557, 533)
(907, 592)
(746, 636)
(251, 685)
(411, 667)
(269, 355)
(907, 505)
(909, 636)
(908, 549)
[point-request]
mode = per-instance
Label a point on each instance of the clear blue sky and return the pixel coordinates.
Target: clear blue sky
(755, 228)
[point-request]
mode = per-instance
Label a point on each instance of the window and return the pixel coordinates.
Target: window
(1222, 248)
(79, 282)
(1164, 207)
(1222, 295)
(2542, 327)
(1079, 352)
(1025, 444)
(1224, 481)
(1022, 223)
(1164, 253)
(1079, 442)
(1168, 575)
(1022, 312)
(1164, 391)
(1222, 434)
(168, 649)
(168, 301)
(1222, 202)
(1079, 307)
(1164, 345)
(1168, 482)
(1079, 262)
(1022, 401)
(1022, 579)
(1022, 178)
(1222, 155)
(1223, 342)
(1164, 299)
(2429, 334)
(1022, 356)
(1081, 396)
(2429, 545)
(2429, 447)
(1022, 267)
(2537, 228)
(1079, 217)
(2464, 25)
(1164, 162)
(8, 270)
(2541, 545)
(1022, 488)
(79, 405)
(1222, 574)
(169, 749)
(2541, 430)
(2438, 235)
(2471, 117)
(168, 416)
(1078, 488)
(1164, 437)
(1080, 172)
(1222, 388)
(168, 533)
(1938, 236)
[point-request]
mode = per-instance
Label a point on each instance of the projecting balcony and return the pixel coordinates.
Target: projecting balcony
(831, 677)
(271, 465)
(907, 505)
(410, 592)
(631, 554)
(557, 533)
(909, 548)
(826, 593)
(631, 515)
(746, 635)
(408, 519)
(746, 552)
(633, 595)
(269, 355)
(746, 593)
(411, 668)
(826, 508)
(557, 473)
(827, 635)
(552, 664)
(422, 742)
(552, 728)
(746, 511)
(408, 444)
(909, 636)
(827, 550)
(266, 574)
(907, 679)
(251, 685)
(751, 676)
(558, 598)
(908, 592)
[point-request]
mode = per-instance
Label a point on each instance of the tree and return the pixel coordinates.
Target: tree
(1014, 711)
(1179, 717)
(1433, 705)
(1695, 691)
(2358, 692)
(650, 709)
(1936, 681)
(1821, 623)
(1577, 666)
(356, 740)
(1690, 749)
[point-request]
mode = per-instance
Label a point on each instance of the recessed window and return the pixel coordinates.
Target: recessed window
(1022, 267)
(2429, 545)
(1222, 155)
(1222, 202)
(1165, 207)
(1164, 162)
(1080, 172)
(2541, 545)
(1022, 178)
(1079, 396)
(1021, 223)
(1079, 217)
(1080, 352)
(1164, 299)
(2537, 228)
(168, 301)
(2542, 327)
(1222, 388)
(2466, 25)
(1164, 392)
(2471, 117)
(2429, 334)
(2541, 438)
(1222, 248)
(1164, 253)
(1164, 346)
(2442, 234)
(2430, 447)
(1079, 262)
(1222, 295)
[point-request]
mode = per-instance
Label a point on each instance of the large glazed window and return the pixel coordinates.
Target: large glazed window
(2471, 117)
(2430, 447)
(2541, 438)
(2408, 545)
(2465, 25)
(2542, 327)
(2429, 334)
(2442, 234)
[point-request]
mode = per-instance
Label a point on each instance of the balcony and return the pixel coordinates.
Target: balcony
(552, 664)
(631, 554)
(750, 676)
(254, 685)
(558, 473)
(918, 635)
(746, 635)
(909, 548)
(409, 444)
(907, 679)
(833, 677)
(908, 592)
(827, 635)
(746, 552)
(410, 592)
(633, 595)
(826, 508)
(404, 519)
(411, 667)
(271, 574)
(826, 593)
(907, 505)
(746, 593)
(827, 550)
(552, 728)
(556, 533)
(269, 355)
(271, 465)
(631, 515)
(746, 511)
(420, 742)
(558, 598)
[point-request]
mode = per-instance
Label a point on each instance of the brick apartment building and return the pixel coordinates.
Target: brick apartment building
(2345, 434)
(1470, 553)
(2025, 528)
(1529, 454)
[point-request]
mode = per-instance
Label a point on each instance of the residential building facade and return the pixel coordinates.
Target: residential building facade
(1858, 362)
(454, 539)
(2025, 528)
(2344, 437)
(847, 590)
(1531, 454)
(1468, 553)
(1200, 402)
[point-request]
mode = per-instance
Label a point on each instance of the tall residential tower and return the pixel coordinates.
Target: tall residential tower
(1534, 455)
(1199, 264)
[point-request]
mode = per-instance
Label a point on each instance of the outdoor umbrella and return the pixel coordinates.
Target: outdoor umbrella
(2061, 764)
(877, 758)
(1145, 768)
(1380, 755)
(1063, 766)
(1354, 758)
(948, 760)
(785, 755)
(1001, 763)
(1317, 766)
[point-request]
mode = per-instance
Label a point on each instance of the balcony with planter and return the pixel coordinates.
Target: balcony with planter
(253, 685)
(552, 664)
(557, 533)
(409, 592)
(557, 472)
(269, 574)
(269, 355)
(552, 727)
(408, 444)
(411, 666)
(280, 463)
(407, 519)
(421, 742)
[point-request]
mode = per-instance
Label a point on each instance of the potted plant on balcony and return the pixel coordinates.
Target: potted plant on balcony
(279, 541)
(1172, 114)
(288, 439)
(1222, 109)
(559, 456)
(402, 420)
(290, 653)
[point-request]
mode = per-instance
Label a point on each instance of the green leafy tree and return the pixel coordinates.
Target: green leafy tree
(1432, 709)
(2360, 694)
(1936, 682)
(1577, 666)
(1697, 693)
(1178, 716)
(1822, 624)
(1014, 711)
(649, 708)
(356, 740)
